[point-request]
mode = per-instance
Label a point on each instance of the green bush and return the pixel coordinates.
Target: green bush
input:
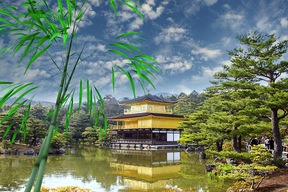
(6, 144)
(261, 155)
(279, 162)
(227, 146)
(58, 141)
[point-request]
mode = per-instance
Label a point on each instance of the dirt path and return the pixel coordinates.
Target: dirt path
(277, 182)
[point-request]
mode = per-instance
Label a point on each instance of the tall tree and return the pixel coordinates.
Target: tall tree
(256, 62)
(36, 131)
(186, 104)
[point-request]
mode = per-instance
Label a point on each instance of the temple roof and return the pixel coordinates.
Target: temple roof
(135, 115)
(148, 97)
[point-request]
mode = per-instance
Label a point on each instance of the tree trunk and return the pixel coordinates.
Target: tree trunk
(235, 143)
(239, 143)
(276, 133)
(219, 145)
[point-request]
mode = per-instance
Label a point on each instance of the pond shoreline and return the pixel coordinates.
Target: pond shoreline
(22, 149)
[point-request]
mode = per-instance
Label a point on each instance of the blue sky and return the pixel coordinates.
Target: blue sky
(188, 38)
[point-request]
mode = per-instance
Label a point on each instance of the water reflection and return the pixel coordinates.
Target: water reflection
(105, 170)
(146, 170)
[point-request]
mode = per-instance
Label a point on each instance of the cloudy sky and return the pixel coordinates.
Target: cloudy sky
(188, 38)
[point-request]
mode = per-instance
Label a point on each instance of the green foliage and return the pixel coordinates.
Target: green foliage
(36, 131)
(227, 146)
(250, 173)
(59, 141)
(6, 144)
(187, 104)
(68, 137)
(279, 162)
(238, 157)
(260, 154)
(90, 135)
(258, 60)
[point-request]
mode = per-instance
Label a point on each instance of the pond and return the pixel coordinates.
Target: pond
(109, 170)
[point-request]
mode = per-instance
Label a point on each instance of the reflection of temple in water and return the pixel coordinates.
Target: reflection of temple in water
(146, 170)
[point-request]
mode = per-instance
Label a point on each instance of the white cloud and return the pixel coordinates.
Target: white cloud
(210, 2)
(170, 34)
(206, 74)
(95, 3)
(264, 24)
(284, 22)
(174, 64)
(136, 24)
(192, 7)
(206, 53)
(149, 11)
(231, 19)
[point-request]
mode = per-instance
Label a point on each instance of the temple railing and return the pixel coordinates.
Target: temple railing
(166, 111)
(143, 141)
(134, 141)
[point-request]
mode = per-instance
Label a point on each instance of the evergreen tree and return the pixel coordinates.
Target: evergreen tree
(256, 67)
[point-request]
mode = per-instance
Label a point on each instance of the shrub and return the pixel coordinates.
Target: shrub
(261, 155)
(279, 162)
(58, 141)
(227, 146)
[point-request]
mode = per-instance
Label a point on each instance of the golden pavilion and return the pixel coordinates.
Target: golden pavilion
(147, 122)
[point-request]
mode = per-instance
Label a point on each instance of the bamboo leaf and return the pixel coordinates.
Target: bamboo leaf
(49, 114)
(69, 12)
(102, 106)
(146, 57)
(19, 88)
(105, 123)
(80, 94)
(90, 102)
(121, 46)
(128, 75)
(134, 9)
(113, 78)
(7, 130)
(87, 93)
(60, 6)
(80, 15)
(14, 136)
(9, 23)
(147, 80)
(56, 129)
(119, 53)
(24, 120)
(65, 37)
(127, 34)
(96, 118)
(5, 82)
(131, 47)
(5, 97)
(113, 5)
(9, 14)
(11, 112)
(35, 56)
(24, 94)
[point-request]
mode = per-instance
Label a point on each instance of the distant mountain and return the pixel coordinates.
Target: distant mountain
(164, 94)
(43, 103)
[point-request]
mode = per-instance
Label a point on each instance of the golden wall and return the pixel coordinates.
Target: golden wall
(151, 123)
(152, 108)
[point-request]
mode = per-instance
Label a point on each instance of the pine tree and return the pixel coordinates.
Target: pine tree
(256, 68)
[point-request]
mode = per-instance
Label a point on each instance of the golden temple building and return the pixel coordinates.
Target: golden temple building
(147, 122)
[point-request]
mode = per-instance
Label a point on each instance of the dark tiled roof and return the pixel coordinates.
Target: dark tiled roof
(134, 115)
(148, 97)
